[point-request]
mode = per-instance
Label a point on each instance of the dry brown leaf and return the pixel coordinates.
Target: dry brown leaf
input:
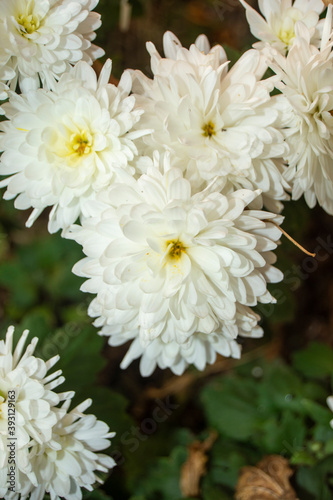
(195, 466)
(269, 480)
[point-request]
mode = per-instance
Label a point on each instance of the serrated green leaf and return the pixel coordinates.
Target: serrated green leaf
(229, 405)
(281, 434)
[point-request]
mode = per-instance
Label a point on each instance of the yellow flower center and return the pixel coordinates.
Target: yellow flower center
(81, 143)
(208, 129)
(28, 23)
(287, 28)
(286, 36)
(176, 248)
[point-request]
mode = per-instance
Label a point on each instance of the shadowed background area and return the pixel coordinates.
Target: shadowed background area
(200, 428)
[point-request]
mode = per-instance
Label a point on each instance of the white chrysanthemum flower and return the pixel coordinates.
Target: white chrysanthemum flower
(69, 462)
(216, 123)
(35, 399)
(176, 272)
(56, 451)
(330, 405)
(40, 39)
(277, 30)
(307, 83)
(62, 146)
(24, 380)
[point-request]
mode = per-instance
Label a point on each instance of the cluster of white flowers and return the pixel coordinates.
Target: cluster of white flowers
(299, 48)
(168, 175)
(53, 450)
(167, 178)
(40, 39)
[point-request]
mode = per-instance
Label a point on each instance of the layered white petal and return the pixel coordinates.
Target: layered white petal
(276, 29)
(177, 272)
(41, 39)
(307, 76)
(54, 450)
(217, 123)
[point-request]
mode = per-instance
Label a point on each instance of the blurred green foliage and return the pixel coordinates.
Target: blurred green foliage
(258, 407)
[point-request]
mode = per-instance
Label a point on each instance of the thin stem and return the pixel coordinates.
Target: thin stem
(291, 239)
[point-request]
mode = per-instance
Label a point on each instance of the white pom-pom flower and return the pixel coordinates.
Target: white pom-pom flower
(214, 121)
(34, 397)
(176, 272)
(276, 29)
(307, 83)
(40, 39)
(53, 451)
(27, 402)
(69, 462)
(60, 147)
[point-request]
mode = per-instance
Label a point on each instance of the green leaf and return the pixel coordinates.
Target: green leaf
(316, 361)
(162, 479)
(280, 388)
(315, 480)
(111, 407)
(81, 359)
(303, 457)
(39, 321)
(22, 289)
(229, 405)
(317, 412)
(281, 434)
(328, 447)
(226, 460)
(209, 491)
